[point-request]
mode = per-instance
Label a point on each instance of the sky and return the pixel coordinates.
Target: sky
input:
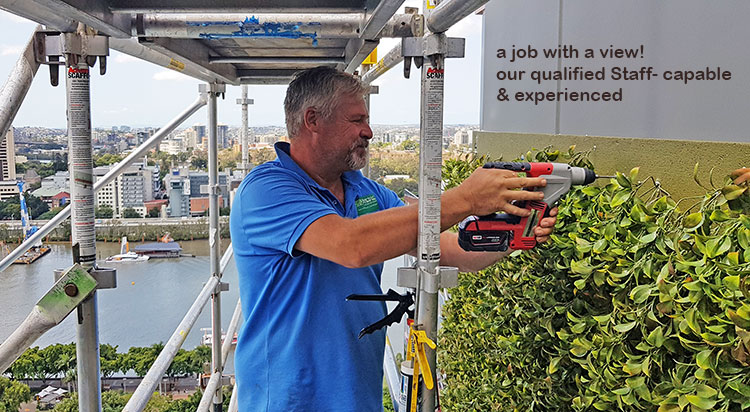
(138, 93)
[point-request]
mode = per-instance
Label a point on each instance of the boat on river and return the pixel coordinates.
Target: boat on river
(31, 255)
(125, 255)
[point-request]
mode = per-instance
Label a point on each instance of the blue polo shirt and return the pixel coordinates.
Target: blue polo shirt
(298, 348)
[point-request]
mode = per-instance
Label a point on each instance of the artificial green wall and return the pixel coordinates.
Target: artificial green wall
(670, 161)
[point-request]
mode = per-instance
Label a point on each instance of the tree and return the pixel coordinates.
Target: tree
(224, 211)
(109, 360)
(409, 144)
(153, 212)
(398, 186)
(107, 159)
(129, 212)
(228, 158)
(13, 394)
(26, 365)
(10, 210)
(104, 212)
(114, 401)
(35, 205)
(50, 213)
(60, 162)
(260, 156)
(69, 404)
(191, 403)
(139, 359)
(199, 160)
(198, 357)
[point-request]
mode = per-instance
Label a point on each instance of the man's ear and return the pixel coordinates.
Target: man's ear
(311, 119)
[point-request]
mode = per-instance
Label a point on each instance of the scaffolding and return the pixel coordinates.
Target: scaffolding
(221, 43)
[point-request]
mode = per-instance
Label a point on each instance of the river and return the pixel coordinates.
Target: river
(149, 302)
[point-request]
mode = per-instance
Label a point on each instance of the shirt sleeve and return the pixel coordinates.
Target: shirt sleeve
(276, 208)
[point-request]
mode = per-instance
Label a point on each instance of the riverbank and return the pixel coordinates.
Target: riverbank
(137, 229)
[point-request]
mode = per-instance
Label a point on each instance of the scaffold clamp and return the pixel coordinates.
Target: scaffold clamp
(71, 289)
(430, 46)
(106, 278)
(447, 277)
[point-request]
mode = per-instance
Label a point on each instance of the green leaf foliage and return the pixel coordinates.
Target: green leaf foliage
(12, 394)
(637, 303)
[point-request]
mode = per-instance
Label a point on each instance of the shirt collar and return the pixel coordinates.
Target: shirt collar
(351, 177)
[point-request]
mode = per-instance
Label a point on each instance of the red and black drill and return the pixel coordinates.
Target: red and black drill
(498, 231)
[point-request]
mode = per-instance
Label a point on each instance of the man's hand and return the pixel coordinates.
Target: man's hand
(545, 226)
(490, 190)
(742, 175)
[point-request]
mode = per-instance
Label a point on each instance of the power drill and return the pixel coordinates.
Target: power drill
(498, 231)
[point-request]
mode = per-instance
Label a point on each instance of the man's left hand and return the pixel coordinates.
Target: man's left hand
(546, 225)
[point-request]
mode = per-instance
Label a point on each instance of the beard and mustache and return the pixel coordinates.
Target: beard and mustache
(355, 159)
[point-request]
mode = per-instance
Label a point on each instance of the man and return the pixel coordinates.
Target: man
(308, 230)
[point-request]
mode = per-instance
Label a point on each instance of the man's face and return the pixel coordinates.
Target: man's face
(347, 133)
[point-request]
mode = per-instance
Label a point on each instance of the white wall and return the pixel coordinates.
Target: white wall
(676, 34)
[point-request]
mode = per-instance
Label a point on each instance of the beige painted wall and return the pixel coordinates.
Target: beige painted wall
(670, 161)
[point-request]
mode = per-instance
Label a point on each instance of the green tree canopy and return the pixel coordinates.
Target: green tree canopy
(154, 212)
(107, 159)
(12, 394)
(129, 212)
(104, 212)
(50, 213)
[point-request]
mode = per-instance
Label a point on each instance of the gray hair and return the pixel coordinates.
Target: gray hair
(320, 88)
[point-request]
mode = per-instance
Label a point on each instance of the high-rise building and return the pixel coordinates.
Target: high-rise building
(199, 186)
(8, 157)
(142, 136)
(109, 195)
(136, 186)
(179, 203)
(222, 136)
(191, 139)
(200, 131)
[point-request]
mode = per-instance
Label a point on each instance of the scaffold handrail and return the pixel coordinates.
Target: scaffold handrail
(17, 85)
(389, 61)
(106, 179)
(145, 390)
(450, 12)
(226, 347)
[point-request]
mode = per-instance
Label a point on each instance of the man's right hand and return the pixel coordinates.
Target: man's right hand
(742, 175)
(491, 190)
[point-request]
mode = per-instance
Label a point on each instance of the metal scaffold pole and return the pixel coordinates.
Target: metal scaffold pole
(430, 164)
(214, 240)
(82, 226)
(244, 136)
(428, 53)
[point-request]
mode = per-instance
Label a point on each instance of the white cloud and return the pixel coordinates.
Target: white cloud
(171, 75)
(12, 50)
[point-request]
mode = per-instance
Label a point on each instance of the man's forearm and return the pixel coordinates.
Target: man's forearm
(375, 237)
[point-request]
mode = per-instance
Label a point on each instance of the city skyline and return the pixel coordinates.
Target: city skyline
(141, 94)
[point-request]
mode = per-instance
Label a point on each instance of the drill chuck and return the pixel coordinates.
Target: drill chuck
(581, 176)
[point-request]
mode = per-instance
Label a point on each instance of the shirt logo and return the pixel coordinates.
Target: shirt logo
(367, 204)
